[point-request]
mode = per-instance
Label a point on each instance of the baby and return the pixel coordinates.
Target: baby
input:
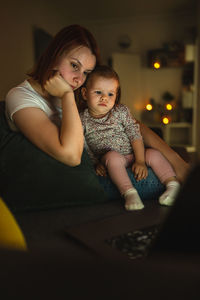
(114, 141)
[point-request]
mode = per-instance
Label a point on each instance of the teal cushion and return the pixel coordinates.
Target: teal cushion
(32, 180)
(148, 189)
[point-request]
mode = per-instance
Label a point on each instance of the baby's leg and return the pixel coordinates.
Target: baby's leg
(165, 173)
(116, 164)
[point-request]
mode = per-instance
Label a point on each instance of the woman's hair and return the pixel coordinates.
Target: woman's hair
(65, 40)
(99, 71)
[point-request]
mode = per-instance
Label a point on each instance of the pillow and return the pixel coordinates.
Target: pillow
(11, 236)
(148, 189)
(32, 180)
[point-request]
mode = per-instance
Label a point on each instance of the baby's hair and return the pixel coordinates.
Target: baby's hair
(100, 71)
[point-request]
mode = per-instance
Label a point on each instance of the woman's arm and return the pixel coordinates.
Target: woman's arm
(152, 140)
(64, 144)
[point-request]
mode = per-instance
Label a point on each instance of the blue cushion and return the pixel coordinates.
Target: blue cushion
(148, 189)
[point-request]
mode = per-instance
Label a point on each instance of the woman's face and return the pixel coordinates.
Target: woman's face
(76, 65)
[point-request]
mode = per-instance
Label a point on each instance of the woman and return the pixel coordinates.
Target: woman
(61, 70)
(34, 107)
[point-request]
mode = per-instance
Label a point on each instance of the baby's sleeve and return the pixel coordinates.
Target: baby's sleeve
(131, 127)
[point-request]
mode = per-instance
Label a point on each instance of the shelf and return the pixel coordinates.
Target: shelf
(170, 125)
(176, 134)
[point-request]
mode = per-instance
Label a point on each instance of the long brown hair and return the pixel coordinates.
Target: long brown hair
(64, 41)
(100, 71)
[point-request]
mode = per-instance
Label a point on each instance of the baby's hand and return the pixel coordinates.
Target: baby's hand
(57, 86)
(140, 170)
(101, 169)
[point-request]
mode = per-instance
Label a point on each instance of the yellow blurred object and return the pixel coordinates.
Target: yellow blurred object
(11, 236)
(149, 106)
(169, 106)
(156, 65)
(165, 120)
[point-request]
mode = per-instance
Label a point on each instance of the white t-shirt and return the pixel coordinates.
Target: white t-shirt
(23, 96)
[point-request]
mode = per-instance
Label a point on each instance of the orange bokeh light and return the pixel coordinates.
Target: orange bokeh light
(165, 120)
(156, 65)
(149, 106)
(169, 106)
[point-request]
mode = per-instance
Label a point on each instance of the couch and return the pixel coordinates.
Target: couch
(56, 266)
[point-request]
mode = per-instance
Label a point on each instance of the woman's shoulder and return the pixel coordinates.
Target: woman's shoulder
(23, 87)
(22, 96)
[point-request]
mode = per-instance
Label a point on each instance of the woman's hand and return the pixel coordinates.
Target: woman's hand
(57, 86)
(140, 170)
(101, 169)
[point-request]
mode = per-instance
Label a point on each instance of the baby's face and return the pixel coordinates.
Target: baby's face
(100, 95)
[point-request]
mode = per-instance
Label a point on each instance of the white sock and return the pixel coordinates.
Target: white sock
(132, 200)
(169, 196)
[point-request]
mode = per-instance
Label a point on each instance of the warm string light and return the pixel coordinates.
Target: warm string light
(149, 107)
(165, 120)
(168, 106)
(156, 65)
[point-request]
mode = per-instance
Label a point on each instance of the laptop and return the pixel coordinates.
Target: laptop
(181, 230)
